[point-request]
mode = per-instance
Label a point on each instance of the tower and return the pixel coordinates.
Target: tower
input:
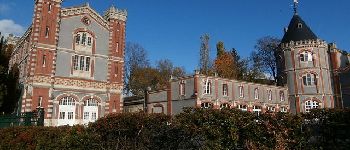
(116, 21)
(307, 67)
(42, 55)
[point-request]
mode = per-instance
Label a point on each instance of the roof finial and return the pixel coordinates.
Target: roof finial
(295, 7)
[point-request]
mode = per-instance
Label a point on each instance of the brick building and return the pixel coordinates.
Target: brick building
(71, 62)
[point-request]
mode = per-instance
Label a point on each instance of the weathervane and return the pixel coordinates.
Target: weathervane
(295, 6)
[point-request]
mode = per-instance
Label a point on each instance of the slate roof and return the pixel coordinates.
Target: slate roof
(298, 31)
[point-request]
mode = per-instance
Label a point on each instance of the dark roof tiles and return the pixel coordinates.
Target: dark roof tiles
(298, 31)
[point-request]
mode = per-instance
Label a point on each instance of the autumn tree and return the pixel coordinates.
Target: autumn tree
(204, 60)
(264, 56)
(225, 66)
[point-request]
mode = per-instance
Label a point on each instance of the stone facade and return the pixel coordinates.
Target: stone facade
(71, 62)
(214, 92)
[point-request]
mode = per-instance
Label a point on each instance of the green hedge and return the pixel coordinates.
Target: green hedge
(193, 129)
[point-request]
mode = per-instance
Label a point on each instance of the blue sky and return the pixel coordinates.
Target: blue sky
(171, 28)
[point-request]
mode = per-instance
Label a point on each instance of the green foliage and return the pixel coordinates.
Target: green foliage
(193, 129)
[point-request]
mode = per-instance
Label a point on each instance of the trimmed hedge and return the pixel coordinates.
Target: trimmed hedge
(193, 129)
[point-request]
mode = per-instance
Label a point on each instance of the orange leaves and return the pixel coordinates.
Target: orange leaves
(224, 66)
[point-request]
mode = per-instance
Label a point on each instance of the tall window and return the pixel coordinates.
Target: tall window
(306, 56)
(224, 90)
(49, 7)
(182, 88)
(67, 111)
(311, 105)
(256, 93)
(207, 87)
(40, 101)
(282, 96)
(81, 63)
(44, 60)
(269, 95)
(309, 79)
(47, 32)
(241, 91)
(90, 110)
(206, 105)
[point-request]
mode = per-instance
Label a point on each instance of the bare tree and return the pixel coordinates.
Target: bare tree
(135, 58)
(264, 56)
(204, 62)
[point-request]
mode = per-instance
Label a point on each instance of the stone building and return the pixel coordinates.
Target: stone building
(311, 69)
(71, 62)
(215, 92)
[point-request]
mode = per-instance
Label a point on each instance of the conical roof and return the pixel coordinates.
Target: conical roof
(298, 31)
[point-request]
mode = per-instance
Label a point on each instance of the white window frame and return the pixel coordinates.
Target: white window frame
(282, 98)
(257, 109)
(306, 56)
(224, 105)
(311, 104)
(81, 65)
(271, 108)
(207, 105)
(242, 107)
(241, 91)
(309, 79)
(269, 95)
(283, 109)
(207, 88)
(256, 93)
(84, 42)
(182, 88)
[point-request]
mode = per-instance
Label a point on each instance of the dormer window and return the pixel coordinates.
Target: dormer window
(300, 25)
(306, 56)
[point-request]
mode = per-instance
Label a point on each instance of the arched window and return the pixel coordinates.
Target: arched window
(207, 87)
(66, 111)
(224, 105)
(207, 105)
(306, 56)
(311, 104)
(242, 107)
(309, 79)
(90, 110)
(256, 93)
(282, 96)
(269, 95)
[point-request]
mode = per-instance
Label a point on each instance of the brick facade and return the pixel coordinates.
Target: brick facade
(47, 53)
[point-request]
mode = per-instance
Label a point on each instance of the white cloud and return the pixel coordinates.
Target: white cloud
(9, 26)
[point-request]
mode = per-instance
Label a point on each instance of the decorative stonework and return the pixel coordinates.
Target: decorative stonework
(84, 10)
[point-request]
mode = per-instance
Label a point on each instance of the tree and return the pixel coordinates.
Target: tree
(264, 56)
(225, 66)
(220, 48)
(135, 59)
(142, 78)
(204, 62)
